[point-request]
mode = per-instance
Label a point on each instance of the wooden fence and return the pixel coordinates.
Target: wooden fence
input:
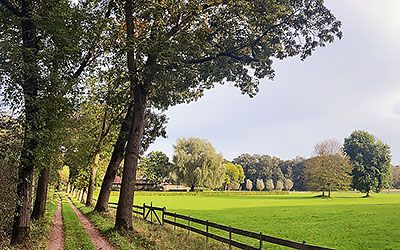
(162, 216)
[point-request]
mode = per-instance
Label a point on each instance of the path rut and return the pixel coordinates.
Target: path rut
(98, 240)
(56, 239)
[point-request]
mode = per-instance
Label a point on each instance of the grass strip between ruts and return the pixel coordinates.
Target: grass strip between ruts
(75, 234)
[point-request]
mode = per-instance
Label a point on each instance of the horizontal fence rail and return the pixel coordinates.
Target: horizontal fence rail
(165, 217)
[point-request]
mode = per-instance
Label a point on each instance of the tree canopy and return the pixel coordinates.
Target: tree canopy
(370, 159)
(197, 164)
(155, 166)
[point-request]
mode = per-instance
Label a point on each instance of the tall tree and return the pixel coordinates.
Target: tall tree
(11, 135)
(233, 174)
(41, 44)
(260, 167)
(395, 177)
(187, 47)
(155, 166)
(155, 127)
(370, 159)
(197, 164)
(24, 12)
(328, 147)
(327, 173)
(329, 169)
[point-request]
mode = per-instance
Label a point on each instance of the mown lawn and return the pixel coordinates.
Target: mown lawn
(345, 221)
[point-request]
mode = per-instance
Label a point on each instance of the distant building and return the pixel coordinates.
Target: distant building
(174, 187)
(140, 184)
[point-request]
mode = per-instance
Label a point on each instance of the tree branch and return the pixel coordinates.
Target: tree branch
(230, 53)
(88, 58)
(11, 7)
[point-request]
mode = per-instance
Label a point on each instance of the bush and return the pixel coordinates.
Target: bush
(260, 185)
(288, 184)
(279, 185)
(270, 184)
(249, 185)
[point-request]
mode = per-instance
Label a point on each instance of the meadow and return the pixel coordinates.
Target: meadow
(345, 221)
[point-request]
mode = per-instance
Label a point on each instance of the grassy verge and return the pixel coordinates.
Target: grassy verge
(41, 228)
(75, 235)
(146, 235)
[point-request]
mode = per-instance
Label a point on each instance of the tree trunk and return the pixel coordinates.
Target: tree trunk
(41, 194)
(22, 215)
(329, 193)
(92, 180)
(123, 218)
(323, 193)
(192, 188)
(82, 198)
(115, 161)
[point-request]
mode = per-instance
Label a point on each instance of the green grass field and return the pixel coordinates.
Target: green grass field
(345, 221)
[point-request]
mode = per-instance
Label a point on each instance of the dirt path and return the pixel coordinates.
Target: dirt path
(56, 239)
(98, 240)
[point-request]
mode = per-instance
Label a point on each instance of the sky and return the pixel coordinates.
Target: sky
(351, 84)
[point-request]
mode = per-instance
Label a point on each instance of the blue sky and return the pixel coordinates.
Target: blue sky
(351, 84)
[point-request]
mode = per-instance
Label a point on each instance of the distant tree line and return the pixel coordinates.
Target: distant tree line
(362, 163)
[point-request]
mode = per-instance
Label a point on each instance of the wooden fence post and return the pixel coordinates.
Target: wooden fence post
(174, 221)
(144, 211)
(207, 232)
(188, 225)
(261, 240)
(151, 212)
(230, 237)
(163, 214)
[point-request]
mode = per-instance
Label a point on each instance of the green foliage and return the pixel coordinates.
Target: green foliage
(293, 170)
(260, 167)
(197, 164)
(63, 176)
(10, 146)
(370, 159)
(327, 172)
(155, 166)
(269, 185)
(234, 174)
(187, 47)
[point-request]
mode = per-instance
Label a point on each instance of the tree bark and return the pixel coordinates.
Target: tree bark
(92, 180)
(125, 202)
(82, 197)
(41, 194)
(22, 215)
(123, 218)
(115, 161)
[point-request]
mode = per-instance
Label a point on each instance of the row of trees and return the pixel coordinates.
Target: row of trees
(86, 77)
(362, 163)
(269, 185)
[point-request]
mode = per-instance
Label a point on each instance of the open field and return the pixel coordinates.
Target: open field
(345, 221)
